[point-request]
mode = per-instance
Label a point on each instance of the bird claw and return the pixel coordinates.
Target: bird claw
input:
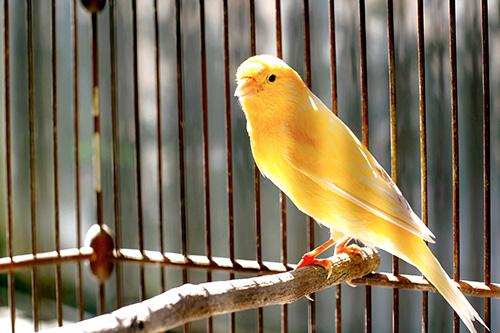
(351, 249)
(308, 261)
(350, 284)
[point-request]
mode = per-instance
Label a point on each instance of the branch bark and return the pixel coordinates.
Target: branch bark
(192, 302)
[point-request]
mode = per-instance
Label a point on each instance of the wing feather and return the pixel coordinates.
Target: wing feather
(326, 151)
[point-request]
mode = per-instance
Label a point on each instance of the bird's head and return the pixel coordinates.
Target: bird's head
(267, 79)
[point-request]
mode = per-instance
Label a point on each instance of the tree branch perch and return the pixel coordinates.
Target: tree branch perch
(192, 302)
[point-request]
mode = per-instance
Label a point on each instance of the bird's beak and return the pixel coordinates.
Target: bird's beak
(246, 87)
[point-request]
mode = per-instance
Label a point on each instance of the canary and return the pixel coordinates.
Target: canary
(312, 156)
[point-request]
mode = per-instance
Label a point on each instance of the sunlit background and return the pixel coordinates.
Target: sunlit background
(437, 76)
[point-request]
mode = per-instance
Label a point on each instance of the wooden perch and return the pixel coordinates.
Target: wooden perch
(192, 302)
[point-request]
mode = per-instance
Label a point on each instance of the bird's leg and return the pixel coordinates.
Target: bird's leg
(310, 257)
(342, 247)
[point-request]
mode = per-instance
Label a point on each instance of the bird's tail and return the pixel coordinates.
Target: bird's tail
(425, 261)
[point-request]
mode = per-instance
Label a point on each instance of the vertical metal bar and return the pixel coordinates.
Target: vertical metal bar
(76, 152)
(229, 148)
(310, 221)
(55, 162)
(97, 142)
(283, 227)
(333, 57)
(32, 163)
(333, 78)
(364, 117)
(159, 165)
(116, 151)
(363, 71)
(454, 145)
(256, 175)
(486, 156)
(394, 145)
(180, 124)
(8, 158)
(206, 146)
(423, 138)
(137, 130)
(279, 41)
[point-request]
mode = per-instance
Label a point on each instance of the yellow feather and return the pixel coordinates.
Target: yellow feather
(313, 157)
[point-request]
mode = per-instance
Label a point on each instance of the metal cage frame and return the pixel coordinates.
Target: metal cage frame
(485, 289)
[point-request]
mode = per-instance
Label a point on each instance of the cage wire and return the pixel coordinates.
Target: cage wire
(121, 113)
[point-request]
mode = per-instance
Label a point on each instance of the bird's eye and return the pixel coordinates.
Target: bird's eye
(271, 78)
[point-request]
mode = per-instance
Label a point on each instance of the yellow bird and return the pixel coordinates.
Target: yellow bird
(312, 156)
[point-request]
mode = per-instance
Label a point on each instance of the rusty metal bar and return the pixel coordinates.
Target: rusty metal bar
(138, 164)
(333, 78)
(394, 144)
(180, 115)
(24, 261)
(486, 156)
(423, 138)
(258, 225)
(206, 151)
(8, 161)
(363, 71)
(229, 148)
(116, 151)
(415, 282)
(454, 147)
(333, 57)
(55, 161)
(283, 225)
(279, 41)
(97, 142)
(381, 279)
(159, 165)
(364, 126)
(32, 163)
(311, 306)
(389, 280)
(180, 129)
(256, 176)
(76, 152)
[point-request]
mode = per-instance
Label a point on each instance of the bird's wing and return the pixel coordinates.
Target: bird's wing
(324, 149)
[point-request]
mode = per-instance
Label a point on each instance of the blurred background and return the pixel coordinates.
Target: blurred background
(437, 77)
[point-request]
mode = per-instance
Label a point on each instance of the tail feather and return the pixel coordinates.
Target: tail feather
(425, 261)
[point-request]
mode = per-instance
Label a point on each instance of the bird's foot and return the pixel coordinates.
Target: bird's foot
(308, 260)
(351, 249)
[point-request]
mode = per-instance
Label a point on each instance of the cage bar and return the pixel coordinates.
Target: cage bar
(282, 195)
(76, 156)
(394, 143)
(454, 147)
(137, 131)
(485, 66)
(159, 165)
(363, 68)
(180, 115)
(333, 78)
(8, 161)
(256, 175)
(206, 160)
(423, 137)
(32, 163)
(183, 260)
(55, 160)
(116, 151)
(311, 306)
(229, 148)
(97, 143)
